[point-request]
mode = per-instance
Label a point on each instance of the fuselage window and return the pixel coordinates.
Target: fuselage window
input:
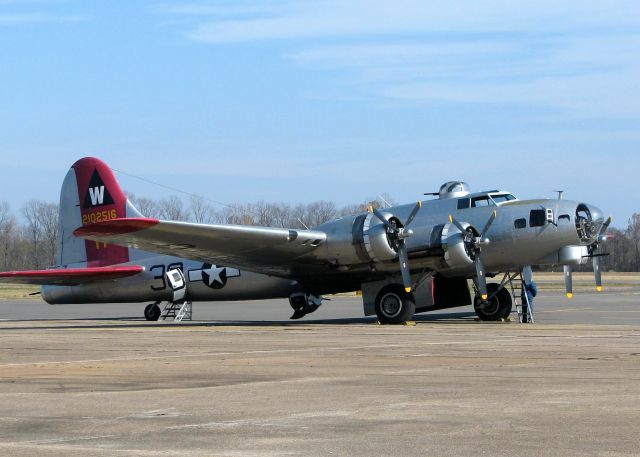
(520, 223)
(463, 203)
(537, 218)
(564, 218)
(480, 201)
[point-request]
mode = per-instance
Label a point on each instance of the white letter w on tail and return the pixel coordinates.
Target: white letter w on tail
(97, 195)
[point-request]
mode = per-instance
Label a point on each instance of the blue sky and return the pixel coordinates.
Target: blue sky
(304, 100)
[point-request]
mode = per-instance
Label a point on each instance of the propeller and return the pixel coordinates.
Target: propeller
(400, 232)
(595, 257)
(568, 280)
(473, 246)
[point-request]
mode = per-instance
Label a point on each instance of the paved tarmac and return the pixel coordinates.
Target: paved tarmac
(244, 381)
(611, 307)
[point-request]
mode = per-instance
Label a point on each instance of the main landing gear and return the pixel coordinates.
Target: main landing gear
(498, 306)
(394, 305)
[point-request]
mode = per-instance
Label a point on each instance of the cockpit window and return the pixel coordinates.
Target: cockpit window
(464, 203)
(501, 198)
(564, 218)
(477, 202)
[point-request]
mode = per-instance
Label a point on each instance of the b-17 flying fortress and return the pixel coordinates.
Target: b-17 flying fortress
(405, 259)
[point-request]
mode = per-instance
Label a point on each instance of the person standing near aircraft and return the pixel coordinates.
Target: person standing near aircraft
(531, 291)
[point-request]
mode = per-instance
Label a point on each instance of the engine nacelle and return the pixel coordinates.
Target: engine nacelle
(456, 253)
(377, 243)
(363, 240)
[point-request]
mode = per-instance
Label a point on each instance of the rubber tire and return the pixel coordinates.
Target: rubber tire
(501, 304)
(506, 302)
(152, 312)
(406, 301)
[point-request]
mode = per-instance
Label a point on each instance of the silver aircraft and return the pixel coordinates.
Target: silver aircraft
(405, 259)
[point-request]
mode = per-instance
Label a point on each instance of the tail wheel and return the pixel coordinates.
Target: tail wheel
(498, 306)
(152, 312)
(394, 305)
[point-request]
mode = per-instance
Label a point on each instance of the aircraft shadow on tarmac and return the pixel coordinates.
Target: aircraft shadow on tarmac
(136, 322)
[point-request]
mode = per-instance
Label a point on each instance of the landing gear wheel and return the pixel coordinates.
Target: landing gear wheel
(152, 312)
(394, 305)
(498, 306)
(506, 302)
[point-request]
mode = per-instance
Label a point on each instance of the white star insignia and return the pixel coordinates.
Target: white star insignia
(214, 274)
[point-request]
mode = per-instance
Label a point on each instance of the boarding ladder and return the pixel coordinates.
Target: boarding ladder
(179, 311)
(520, 299)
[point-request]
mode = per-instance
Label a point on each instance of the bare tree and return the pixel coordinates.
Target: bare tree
(634, 235)
(173, 208)
(281, 215)
(622, 252)
(34, 230)
(237, 214)
(8, 229)
(299, 217)
(49, 213)
(320, 212)
(262, 213)
(351, 209)
(201, 211)
(146, 206)
(42, 229)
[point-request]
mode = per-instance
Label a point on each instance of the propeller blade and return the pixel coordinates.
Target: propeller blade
(380, 216)
(481, 279)
(598, 273)
(403, 257)
(413, 214)
(606, 225)
(489, 224)
(458, 225)
(568, 280)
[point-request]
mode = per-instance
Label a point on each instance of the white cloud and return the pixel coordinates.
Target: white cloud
(219, 9)
(17, 12)
(582, 76)
(375, 54)
(32, 18)
(336, 18)
(579, 57)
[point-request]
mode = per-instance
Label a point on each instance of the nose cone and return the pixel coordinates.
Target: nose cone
(597, 214)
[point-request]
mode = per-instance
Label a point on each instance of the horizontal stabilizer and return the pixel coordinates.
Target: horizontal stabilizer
(69, 276)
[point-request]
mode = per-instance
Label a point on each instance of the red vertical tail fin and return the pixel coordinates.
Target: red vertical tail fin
(99, 197)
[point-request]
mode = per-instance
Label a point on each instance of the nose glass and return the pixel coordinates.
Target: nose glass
(589, 222)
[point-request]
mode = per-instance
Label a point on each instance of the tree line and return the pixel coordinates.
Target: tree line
(28, 238)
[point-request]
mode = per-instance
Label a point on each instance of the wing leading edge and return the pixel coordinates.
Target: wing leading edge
(261, 249)
(69, 276)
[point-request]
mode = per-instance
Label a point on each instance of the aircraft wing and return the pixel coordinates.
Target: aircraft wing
(69, 276)
(265, 250)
